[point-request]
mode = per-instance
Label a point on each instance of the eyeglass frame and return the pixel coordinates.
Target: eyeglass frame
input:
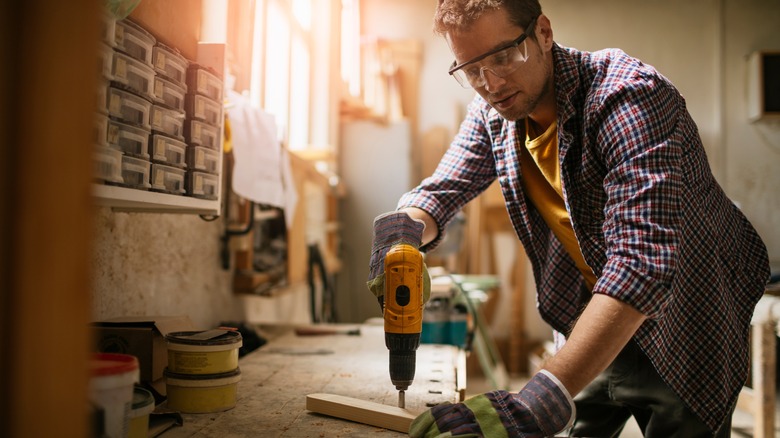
(515, 43)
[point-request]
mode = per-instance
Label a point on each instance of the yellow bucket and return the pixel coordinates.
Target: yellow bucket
(199, 394)
(143, 405)
(206, 352)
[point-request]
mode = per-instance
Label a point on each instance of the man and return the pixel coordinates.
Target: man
(641, 261)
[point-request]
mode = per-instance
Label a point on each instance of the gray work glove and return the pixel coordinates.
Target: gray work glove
(391, 229)
(542, 408)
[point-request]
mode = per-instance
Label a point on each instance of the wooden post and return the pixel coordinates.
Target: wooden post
(763, 367)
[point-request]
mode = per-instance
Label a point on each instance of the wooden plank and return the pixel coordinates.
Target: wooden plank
(764, 368)
(461, 375)
(746, 400)
(48, 57)
(361, 411)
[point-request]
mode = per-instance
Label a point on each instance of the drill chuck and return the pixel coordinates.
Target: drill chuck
(403, 358)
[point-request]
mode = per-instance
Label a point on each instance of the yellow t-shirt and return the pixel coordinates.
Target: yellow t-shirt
(542, 182)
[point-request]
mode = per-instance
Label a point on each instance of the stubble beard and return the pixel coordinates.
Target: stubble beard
(527, 103)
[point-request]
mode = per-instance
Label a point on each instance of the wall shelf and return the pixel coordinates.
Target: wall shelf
(127, 199)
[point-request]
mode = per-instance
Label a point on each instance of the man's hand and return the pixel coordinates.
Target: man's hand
(542, 408)
(391, 229)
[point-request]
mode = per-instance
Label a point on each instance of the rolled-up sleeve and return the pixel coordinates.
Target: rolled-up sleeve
(465, 171)
(643, 153)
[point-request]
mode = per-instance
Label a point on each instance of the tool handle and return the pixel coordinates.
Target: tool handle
(403, 312)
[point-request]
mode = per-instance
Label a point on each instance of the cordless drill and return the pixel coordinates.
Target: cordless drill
(403, 313)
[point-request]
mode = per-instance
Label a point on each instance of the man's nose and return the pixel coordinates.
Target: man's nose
(492, 81)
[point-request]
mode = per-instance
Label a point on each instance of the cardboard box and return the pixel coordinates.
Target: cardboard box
(143, 337)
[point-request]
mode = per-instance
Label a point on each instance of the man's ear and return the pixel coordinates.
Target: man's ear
(543, 32)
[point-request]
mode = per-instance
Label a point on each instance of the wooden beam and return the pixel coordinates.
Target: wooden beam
(361, 411)
(764, 369)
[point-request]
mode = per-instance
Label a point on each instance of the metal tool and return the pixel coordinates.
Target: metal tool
(403, 313)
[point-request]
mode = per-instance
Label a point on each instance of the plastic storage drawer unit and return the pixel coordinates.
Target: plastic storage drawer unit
(202, 185)
(169, 63)
(168, 150)
(200, 133)
(100, 129)
(134, 40)
(135, 172)
(168, 121)
(133, 74)
(204, 109)
(204, 159)
(108, 165)
(203, 82)
(167, 179)
(168, 93)
(129, 108)
(129, 139)
(101, 93)
(105, 60)
(108, 29)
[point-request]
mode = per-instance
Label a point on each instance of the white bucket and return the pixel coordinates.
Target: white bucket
(112, 377)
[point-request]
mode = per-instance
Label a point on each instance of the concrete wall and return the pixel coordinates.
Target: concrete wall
(160, 264)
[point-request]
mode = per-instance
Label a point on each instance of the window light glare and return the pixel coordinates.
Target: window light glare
(302, 11)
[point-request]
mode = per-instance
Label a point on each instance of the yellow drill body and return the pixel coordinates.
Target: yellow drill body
(403, 312)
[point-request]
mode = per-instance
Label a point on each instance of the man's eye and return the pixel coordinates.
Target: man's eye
(472, 72)
(501, 58)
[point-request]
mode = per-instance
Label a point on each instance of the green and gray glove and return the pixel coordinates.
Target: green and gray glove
(391, 229)
(542, 408)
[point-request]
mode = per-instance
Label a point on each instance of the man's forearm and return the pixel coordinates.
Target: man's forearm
(604, 328)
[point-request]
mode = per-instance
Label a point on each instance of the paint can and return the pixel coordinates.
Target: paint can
(200, 394)
(112, 377)
(142, 407)
(204, 352)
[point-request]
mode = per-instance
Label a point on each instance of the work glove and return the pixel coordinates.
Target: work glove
(391, 229)
(542, 408)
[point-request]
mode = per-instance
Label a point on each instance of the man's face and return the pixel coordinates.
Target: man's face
(519, 93)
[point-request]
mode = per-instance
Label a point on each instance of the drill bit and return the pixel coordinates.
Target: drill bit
(401, 399)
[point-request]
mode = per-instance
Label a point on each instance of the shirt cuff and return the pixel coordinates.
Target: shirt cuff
(565, 392)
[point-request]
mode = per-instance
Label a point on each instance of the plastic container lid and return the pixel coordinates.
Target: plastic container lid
(109, 364)
(209, 337)
(143, 402)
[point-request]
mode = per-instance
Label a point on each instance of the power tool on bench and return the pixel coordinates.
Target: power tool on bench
(403, 313)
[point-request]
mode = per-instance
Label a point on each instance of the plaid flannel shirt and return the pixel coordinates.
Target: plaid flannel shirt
(652, 222)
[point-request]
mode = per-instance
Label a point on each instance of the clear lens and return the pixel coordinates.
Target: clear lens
(500, 64)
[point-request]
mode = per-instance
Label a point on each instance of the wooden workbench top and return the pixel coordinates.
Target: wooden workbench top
(276, 379)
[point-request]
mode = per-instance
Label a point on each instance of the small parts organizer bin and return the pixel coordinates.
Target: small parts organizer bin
(204, 108)
(159, 116)
(167, 179)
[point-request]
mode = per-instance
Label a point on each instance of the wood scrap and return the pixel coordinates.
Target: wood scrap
(361, 411)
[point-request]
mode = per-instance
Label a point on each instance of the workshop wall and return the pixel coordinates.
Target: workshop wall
(160, 264)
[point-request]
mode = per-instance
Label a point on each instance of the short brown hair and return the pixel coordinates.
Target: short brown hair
(460, 14)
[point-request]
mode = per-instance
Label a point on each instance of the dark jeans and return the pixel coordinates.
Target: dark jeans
(631, 386)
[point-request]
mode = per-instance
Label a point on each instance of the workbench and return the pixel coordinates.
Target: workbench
(276, 378)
